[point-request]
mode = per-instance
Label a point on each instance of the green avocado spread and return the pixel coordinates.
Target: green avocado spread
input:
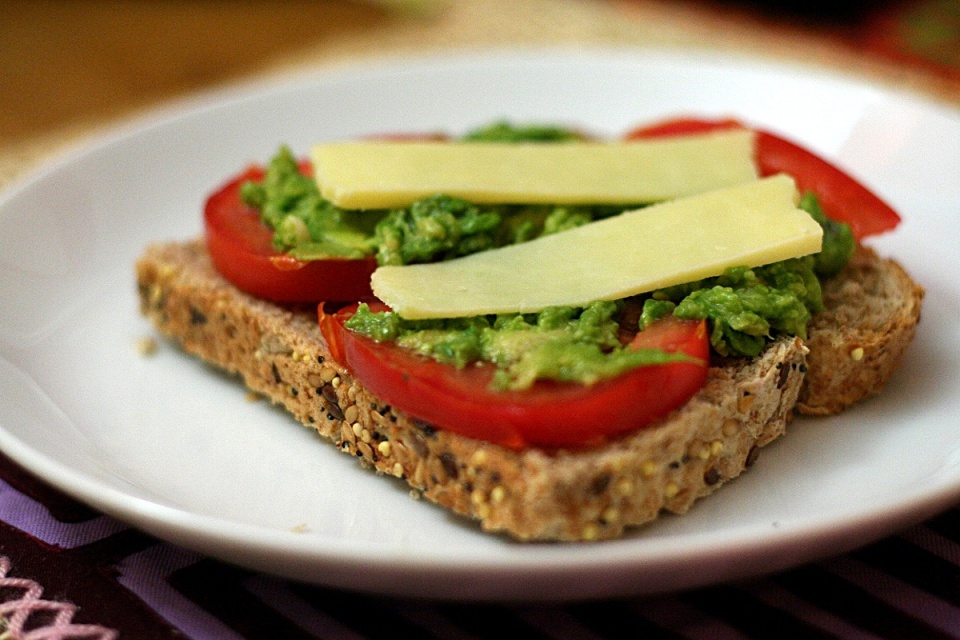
(745, 308)
(565, 344)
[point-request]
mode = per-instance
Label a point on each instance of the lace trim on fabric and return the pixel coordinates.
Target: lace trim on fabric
(24, 615)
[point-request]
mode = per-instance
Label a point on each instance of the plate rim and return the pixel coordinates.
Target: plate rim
(165, 111)
(71, 481)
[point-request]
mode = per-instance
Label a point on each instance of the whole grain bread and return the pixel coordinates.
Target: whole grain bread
(530, 494)
(856, 343)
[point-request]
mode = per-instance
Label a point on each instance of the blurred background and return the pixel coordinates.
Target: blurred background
(66, 64)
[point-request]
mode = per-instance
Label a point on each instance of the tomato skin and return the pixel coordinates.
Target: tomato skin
(241, 248)
(680, 127)
(842, 198)
(548, 415)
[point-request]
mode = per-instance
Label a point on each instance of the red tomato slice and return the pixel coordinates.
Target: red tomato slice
(680, 127)
(550, 414)
(241, 248)
(842, 198)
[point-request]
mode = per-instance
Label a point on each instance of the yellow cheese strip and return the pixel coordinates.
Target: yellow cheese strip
(661, 245)
(373, 175)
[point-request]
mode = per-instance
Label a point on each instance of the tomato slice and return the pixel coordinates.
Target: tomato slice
(241, 248)
(681, 127)
(550, 414)
(842, 198)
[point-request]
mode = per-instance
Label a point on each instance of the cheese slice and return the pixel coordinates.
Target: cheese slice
(636, 252)
(373, 175)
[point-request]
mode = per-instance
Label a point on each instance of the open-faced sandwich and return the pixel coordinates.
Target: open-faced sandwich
(557, 336)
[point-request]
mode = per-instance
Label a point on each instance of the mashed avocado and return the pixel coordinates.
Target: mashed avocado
(560, 343)
(507, 132)
(745, 308)
(305, 225)
(308, 227)
(838, 241)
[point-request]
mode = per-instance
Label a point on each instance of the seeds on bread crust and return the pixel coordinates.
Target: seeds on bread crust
(533, 494)
(871, 316)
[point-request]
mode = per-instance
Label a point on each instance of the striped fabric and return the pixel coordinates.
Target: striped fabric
(67, 573)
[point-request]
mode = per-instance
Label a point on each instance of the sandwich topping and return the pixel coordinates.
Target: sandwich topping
(379, 174)
(546, 413)
(638, 251)
(554, 374)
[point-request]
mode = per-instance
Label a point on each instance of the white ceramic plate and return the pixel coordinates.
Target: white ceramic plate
(171, 447)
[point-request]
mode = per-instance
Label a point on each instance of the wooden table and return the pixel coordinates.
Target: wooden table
(70, 68)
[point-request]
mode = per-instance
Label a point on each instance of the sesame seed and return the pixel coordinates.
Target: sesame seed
(384, 448)
(351, 413)
(498, 494)
(857, 354)
(365, 449)
(671, 489)
(716, 448)
(398, 470)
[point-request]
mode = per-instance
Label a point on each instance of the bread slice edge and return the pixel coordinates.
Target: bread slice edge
(532, 494)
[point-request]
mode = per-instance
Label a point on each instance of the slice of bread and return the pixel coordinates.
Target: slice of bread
(856, 343)
(532, 494)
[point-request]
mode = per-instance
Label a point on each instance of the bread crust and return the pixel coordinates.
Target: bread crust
(871, 314)
(531, 494)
